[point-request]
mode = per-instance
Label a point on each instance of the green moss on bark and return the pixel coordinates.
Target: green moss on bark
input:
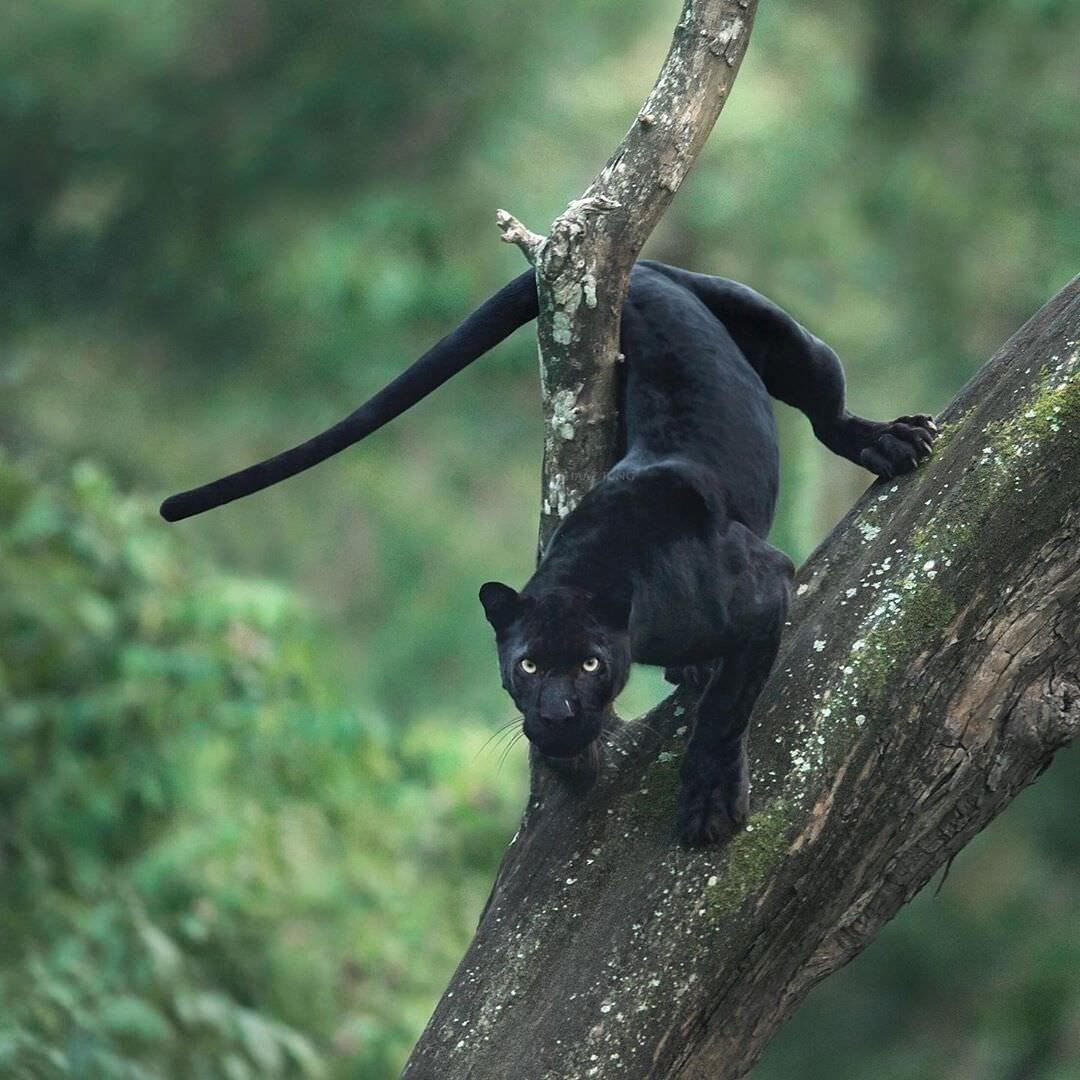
(919, 586)
(751, 856)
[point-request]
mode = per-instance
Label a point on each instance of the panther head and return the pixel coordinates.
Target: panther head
(564, 655)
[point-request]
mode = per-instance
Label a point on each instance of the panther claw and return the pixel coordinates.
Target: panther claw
(900, 446)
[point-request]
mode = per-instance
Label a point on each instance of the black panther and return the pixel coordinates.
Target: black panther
(665, 561)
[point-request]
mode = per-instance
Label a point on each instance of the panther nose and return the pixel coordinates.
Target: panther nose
(556, 713)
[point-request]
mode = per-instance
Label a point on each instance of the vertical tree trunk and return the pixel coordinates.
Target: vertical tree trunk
(583, 266)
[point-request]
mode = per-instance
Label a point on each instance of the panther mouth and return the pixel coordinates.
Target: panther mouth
(567, 748)
(560, 753)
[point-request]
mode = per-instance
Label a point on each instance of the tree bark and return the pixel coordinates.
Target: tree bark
(583, 266)
(930, 671)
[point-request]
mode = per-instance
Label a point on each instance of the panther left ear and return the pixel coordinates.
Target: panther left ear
(501, 604)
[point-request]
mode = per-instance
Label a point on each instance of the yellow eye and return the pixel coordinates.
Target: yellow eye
(591, 665)
(527, 666)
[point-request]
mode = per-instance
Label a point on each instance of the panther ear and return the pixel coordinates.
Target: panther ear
(501, 604)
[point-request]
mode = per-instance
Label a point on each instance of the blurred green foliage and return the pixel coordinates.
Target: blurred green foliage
(245, 823)
(195, 839)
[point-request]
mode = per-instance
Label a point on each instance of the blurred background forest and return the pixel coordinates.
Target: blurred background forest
(247, 816)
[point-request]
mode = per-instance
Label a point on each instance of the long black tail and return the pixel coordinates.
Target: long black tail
(512, 306)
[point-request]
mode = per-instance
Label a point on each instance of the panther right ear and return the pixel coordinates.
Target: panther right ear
(502, 605)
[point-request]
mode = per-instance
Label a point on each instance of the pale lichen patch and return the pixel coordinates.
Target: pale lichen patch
(559, 498)
(867, 531)
(565, 412)
(588, 290)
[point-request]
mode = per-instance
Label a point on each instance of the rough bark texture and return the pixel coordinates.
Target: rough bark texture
(930, 671)
(583, 267)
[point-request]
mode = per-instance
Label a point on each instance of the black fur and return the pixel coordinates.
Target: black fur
(665, 561)
(512, 306)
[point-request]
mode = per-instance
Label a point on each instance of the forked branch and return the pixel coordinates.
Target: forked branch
(583, 265)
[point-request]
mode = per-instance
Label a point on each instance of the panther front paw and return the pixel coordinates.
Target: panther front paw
(710, 813)
(695, 676)
(898, 447)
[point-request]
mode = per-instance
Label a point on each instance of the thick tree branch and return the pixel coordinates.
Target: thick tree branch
(931, 671)
(583, 266)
